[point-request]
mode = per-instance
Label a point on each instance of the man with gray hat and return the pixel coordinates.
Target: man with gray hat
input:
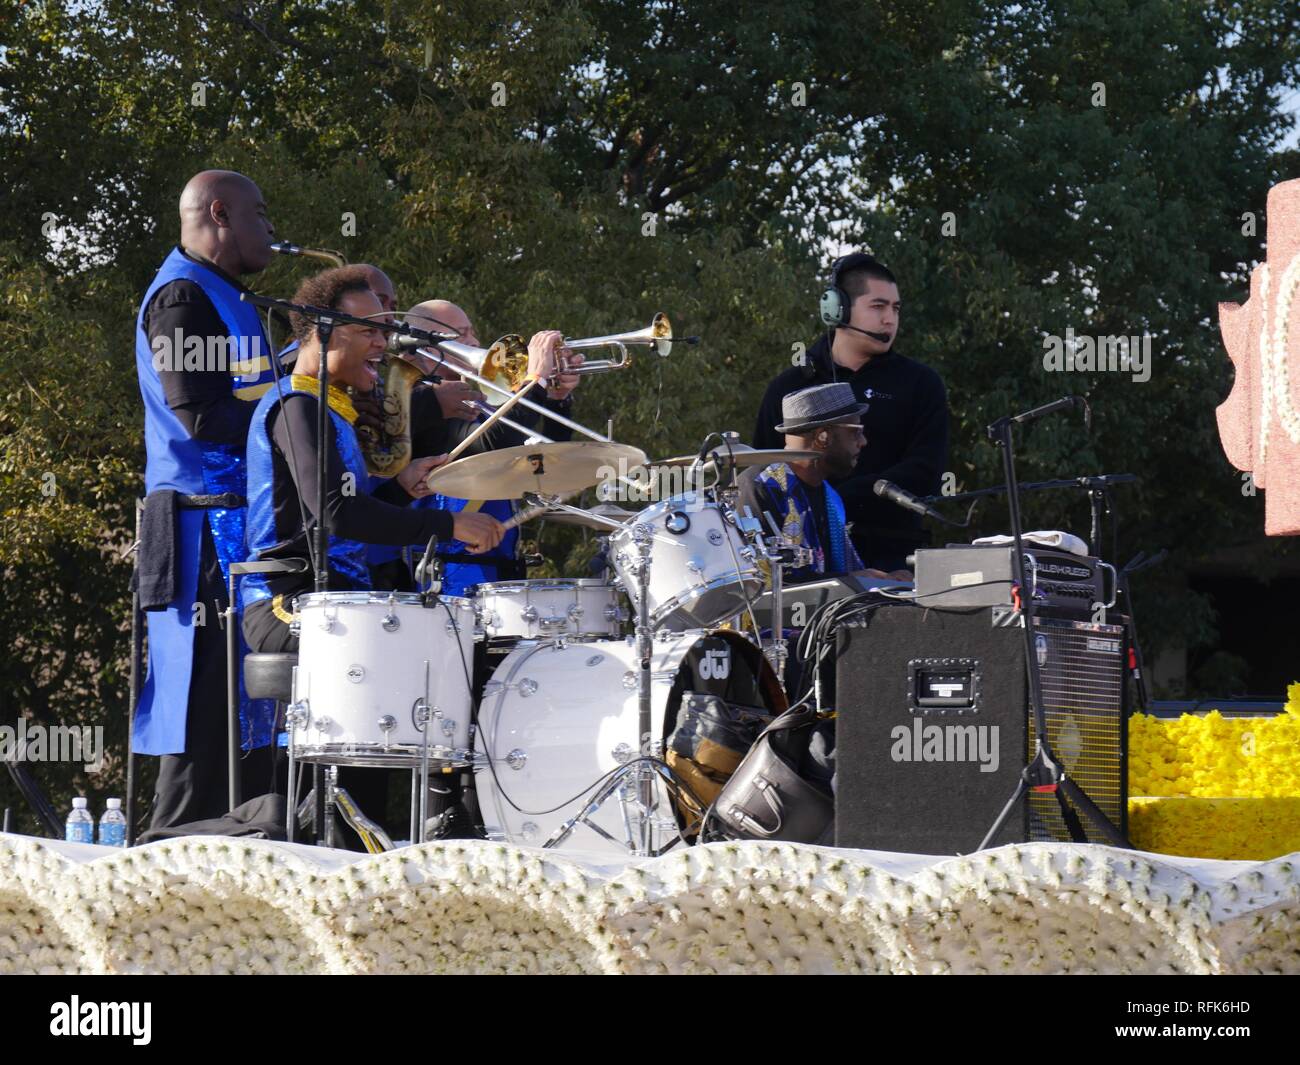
(826, 419)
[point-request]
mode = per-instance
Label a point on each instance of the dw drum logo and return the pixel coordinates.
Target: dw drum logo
(716, 665)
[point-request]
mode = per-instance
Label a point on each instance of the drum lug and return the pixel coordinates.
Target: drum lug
(296, 715)
(386, 725)
(714, 537)
(622, 753)
(355, 673)
(529, 614)
(517, 758)
(575, 613)
(390, 622)
(448, 725)
(322, 724)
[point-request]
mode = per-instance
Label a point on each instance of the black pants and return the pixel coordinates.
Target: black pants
(193, 786)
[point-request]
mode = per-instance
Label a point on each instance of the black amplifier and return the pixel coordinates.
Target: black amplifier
(969, 575)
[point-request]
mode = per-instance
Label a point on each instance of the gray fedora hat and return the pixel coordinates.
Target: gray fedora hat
(811, 408)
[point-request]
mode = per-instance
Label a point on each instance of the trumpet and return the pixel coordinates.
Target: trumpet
(658, 334)
(334, 258)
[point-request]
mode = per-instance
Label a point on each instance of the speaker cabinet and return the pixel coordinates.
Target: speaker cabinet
(933, 727)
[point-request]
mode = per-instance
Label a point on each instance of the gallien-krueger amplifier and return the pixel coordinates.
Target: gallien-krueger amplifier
(970, 575)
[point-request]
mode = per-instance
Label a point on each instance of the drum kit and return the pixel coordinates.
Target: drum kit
(565, 730)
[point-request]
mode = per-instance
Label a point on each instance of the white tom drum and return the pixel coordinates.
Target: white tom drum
(701, 569)
(368, 663)
(547, 609)
(555, 720)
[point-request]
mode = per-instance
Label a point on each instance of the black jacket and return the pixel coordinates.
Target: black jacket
(906, 424)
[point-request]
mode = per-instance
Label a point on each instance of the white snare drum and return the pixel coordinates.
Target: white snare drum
(554, 720)
(545, 609)
(367, 663)
(701, 569)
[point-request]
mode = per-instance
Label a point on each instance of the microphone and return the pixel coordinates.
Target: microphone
(900, 497)
(880, 338)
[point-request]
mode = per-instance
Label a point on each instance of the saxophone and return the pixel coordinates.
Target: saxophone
(388, 450)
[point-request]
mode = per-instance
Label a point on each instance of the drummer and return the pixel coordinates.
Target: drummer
(282, 457)
(796, 496)
(441, 416)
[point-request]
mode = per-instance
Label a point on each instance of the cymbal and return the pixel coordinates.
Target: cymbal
(607, 511)
(744, 455)
(552, 469)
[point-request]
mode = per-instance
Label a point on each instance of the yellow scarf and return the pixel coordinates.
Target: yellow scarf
(339, 401)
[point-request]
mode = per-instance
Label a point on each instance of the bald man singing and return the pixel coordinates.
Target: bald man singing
(201, 356)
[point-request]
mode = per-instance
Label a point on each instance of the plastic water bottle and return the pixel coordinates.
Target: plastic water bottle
(112, 826)
(81, 826)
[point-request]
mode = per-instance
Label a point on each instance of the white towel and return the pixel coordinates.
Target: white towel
(1063, 541)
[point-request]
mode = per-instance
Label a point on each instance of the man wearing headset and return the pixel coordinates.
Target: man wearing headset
(906, 420)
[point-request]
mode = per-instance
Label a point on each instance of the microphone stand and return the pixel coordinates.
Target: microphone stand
(1043, 773)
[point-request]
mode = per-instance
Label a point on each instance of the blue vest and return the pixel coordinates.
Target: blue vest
(347, 557)
(177, 461)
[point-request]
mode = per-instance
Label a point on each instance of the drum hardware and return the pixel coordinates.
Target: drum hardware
(295, 718)
(390, 622)
(331, 788)
(602, 516)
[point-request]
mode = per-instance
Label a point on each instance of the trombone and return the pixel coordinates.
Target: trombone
(428, 362)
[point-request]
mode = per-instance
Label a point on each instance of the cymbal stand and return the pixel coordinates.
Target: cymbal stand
(780, 552)
(634, 780)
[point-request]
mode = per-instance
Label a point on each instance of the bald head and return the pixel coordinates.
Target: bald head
(382, 286)
(445, 316)
(223, 219)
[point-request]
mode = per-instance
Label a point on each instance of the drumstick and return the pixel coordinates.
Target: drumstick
(529, 513)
